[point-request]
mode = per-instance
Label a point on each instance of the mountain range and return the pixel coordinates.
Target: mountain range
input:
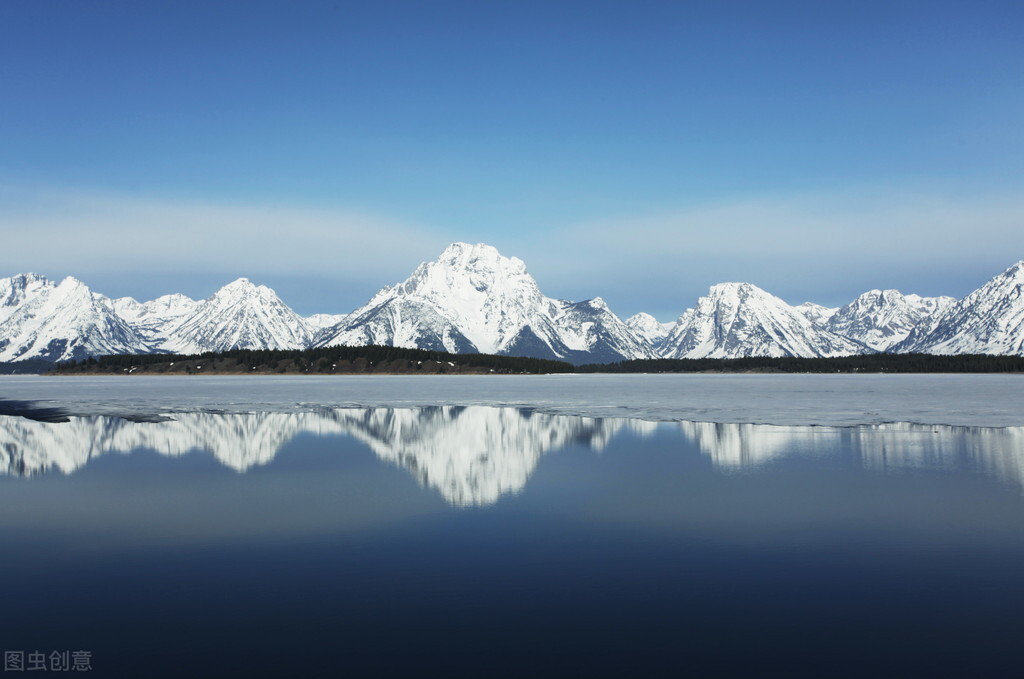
(472, 299)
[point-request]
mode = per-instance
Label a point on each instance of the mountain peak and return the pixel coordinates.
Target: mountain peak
(1015, 271)
(71, 282)
(735, 288)
(240, 315)
(29, 277)
(479, 257)
(243, 287)
(741, 319)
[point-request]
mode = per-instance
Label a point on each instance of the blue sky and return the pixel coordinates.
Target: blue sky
(640, 151)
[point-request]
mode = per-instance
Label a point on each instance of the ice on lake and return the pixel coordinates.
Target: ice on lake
(837, 400)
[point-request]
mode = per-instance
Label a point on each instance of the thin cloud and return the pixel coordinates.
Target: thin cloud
(821, 247)
(80, 232)
(900, 227)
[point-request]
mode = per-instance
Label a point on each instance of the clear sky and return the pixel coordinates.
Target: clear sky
(640, 151)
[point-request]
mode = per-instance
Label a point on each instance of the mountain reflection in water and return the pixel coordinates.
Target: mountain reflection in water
(475, 455)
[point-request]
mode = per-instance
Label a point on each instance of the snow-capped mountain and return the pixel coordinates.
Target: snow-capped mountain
(816, 313)
(739, 319)
(240, 315)
(473, 299)
(990, 320)
(157, 318)
(881, 319)
(649, 328)
(16, 290)
(318, 322)
(61, 322)
(592, 333)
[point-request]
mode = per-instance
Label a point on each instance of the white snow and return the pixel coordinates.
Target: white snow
(740, 319)
(881, 319)
(318, 322)
(474, 299)
(649, 328)
(240, 315)
(988, 321)
(63, 321)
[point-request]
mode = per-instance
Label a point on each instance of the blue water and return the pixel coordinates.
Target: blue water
(479, 542)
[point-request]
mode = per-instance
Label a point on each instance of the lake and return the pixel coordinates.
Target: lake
(494, 526)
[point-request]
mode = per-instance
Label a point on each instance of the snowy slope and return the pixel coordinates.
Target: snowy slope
(240, 315)
(881, 319)
(318, 322)
(990, 320)
(594, 334)
(62, 322)
(649, 328)
(740, 319)
(156, 319)
(17, 290)
(473, 299)
(817, 314)
(469, 299)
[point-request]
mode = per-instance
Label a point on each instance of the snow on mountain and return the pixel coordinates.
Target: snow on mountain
(240, 315)
(649, 328)
(816, 313)
(592, 333)
(16, 290)
(881, 319)
(156, 318)
(62, 322)
(473, 299)
(318, 322)
(739, 319)
(469, 299)
(990, 320)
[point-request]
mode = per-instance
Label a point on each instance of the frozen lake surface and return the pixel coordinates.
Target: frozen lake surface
(838, 400)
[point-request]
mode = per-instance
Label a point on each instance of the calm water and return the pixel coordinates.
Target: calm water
(475, 541)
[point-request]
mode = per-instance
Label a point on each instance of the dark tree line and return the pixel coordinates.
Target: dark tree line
(868, 363)
(320, 360)
(370, 359)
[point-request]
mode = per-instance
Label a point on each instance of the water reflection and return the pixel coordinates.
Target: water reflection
(471, 455)
(475, 455)
(994, 451)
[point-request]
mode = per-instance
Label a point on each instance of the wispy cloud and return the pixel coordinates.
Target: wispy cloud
(853, 225)
(825, 247)
(80, 232)
(820, 247)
